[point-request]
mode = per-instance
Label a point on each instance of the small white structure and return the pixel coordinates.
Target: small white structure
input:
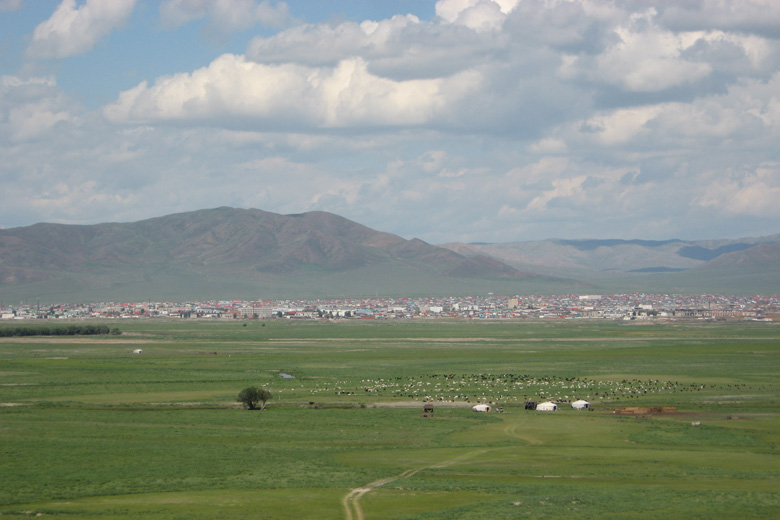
(580, 405)
(138, 351)
(481, 408)
(548, 406)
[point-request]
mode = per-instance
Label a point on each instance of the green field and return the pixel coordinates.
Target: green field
(90, 430)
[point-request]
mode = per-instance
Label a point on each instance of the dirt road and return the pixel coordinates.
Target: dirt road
(351, 501)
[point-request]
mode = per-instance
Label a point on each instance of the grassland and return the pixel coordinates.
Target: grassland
(88, 429)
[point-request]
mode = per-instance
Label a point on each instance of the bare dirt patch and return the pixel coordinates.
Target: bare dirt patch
(419, 404)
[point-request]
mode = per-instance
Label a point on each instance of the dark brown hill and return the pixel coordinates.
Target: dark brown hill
(226, 248)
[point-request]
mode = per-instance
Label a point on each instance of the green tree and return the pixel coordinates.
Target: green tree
(251, 396)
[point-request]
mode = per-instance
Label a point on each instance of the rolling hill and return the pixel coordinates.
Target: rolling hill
(734, 266)
(248, 253)
(228, 252)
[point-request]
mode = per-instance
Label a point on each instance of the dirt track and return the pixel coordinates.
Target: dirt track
(351, 501)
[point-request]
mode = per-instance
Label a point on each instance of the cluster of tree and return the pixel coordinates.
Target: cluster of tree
(66, 330)
(251, 396)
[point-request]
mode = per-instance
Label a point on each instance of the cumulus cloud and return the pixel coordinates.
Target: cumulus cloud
(400, 48)
(30, 108)
(749, 16)
(34, 120)
(480, 15)
(74, 30)
(452, 73)
(324, 44)
(286, 96)
(494, 120)
(642, 59)
(752, 193)
(224, 16)
(579, 110)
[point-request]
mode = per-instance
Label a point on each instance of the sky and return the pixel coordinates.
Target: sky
(449, 120)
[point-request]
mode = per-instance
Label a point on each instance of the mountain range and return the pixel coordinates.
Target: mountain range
(253, 254)
(728, 266)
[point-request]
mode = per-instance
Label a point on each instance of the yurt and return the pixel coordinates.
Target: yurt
(481, 408)
(549, 406)
(580, 405)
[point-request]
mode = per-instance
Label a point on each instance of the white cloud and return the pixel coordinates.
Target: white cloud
(620, 126)
(584, 26)
(34, 120)
(31, 107)
(753, 193)
(751, 16)
(74, 30)
(286, 96)
(549, 145)
(479, 15)
(399, 48)
(65, 198)
(504, 120)
(324, 44)
(562, 188)
(643, 59)
(474, 13)
(542, 119)
(11, 82)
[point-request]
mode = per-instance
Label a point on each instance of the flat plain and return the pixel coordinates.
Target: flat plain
(88, 429)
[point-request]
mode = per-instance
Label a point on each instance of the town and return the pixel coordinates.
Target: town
(635, 306)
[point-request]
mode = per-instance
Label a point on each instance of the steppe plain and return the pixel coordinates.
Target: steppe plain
(90, 430)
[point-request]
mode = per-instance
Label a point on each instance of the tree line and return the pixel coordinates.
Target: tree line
(65, 330)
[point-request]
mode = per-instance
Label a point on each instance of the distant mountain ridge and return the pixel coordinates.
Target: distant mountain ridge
(745, 265)
(612, 254)
(230, 248)
(250, 253)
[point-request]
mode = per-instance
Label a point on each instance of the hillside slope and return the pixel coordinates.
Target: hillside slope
(743, 265)
(219, 252)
